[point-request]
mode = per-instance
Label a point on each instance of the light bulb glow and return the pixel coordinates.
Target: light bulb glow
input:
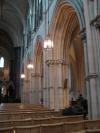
(48, 43)
(22, 76)
(30, 66)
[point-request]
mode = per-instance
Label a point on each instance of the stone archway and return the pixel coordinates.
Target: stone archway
(66, 25)
(37, 75)
(76, 66)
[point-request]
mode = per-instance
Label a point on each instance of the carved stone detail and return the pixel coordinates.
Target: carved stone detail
(60, 87)
(36, 75)
(55, 62)
(96, 22)
(51, 87)
(91, 76)
(83, 34)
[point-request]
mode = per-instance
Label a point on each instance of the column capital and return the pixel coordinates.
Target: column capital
(36, 75)
(55, 62)
(51, 87)
(44, 88)
(26, 80)
(91, 76)
(59, 87)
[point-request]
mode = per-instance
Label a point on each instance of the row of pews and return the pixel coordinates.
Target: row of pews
(27, 118)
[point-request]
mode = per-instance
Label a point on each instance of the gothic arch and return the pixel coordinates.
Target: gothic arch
(66, 24)
(66, 10)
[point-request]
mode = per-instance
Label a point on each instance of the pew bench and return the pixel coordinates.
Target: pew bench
(34, 121)
(27, 129)
(25, 115)
(7, 130)
(93, 131)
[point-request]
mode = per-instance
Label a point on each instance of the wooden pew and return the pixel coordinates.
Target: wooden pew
(7, 130)
(53, 120)
(92, 123)
(25, 115)
(27, 129)
(70, 127)
(34, 121)
(93, 131)
(67, 118)
(45, 128)
(20, 122)
(52, 128)
(74, 127)
(12, 107)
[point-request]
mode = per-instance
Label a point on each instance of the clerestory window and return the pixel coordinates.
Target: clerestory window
(38, 5)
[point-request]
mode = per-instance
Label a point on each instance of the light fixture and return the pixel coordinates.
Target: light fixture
(48, 43)
(22, 76)
(30, 66)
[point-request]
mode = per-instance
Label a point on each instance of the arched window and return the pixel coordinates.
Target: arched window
(1, 62)
(38, 5)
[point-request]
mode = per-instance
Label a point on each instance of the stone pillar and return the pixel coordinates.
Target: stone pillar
(45, 80)
(22, 90)
(27, 90)
(16, 70)
(36, 88)
(57, 93)
(84, 39)
(92, 75)
(60, 88)
(51, 94)
(32, 89)
(96, 32)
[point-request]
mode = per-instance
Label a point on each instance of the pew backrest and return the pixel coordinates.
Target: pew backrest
(7, 130)
(28, 129)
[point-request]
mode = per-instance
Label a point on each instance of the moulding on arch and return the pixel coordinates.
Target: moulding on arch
(83, 34)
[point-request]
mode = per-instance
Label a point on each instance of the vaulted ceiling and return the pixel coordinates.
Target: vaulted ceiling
(13, 18)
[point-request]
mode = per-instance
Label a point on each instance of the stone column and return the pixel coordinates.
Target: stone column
(92, 75)
(51, 93)
(88, 96)
(96, 32)
(27, 90)
(32, 89)
(45, 80)
(36, 88)
(60, 87)
(22, 90)
(57, 93)
(16, 70)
